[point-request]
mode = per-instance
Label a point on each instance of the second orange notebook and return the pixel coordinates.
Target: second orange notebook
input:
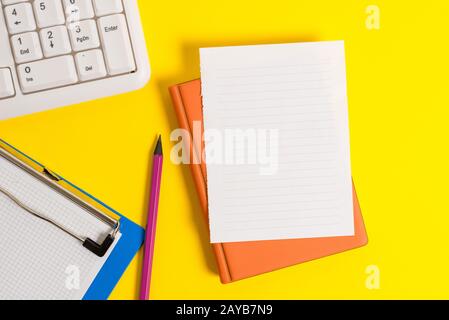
(239, 260)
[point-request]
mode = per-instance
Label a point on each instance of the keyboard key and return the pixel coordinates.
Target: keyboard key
(77, 10)
(47, 74)
(116, 44)
(106, 7)
(55, 41)
(90, 65)
(26, 47)
(84, 35)
(20, 18)
(49, 13)
(8, 2)
(6, 56)
(6, 84)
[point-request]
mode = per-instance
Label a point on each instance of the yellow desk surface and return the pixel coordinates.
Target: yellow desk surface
(399, 116)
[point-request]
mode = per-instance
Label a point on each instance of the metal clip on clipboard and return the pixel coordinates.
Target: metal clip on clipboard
(51, 179)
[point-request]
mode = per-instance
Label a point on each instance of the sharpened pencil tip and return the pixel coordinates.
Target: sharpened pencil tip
(158, 149)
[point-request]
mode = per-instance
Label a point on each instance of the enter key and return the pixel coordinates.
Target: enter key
(116, 44)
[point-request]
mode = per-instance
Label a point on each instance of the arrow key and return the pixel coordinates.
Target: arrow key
(55, 41)
(20, 18)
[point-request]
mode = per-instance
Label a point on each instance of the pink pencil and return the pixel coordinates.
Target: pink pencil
(150, 236)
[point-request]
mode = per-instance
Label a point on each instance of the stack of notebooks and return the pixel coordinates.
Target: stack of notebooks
(277, 66)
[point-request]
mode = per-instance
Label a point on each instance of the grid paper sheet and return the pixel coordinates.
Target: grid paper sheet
(38, 260)
(295, 95)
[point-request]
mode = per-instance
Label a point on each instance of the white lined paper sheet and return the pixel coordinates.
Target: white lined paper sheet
(38, 261)
(297, 92)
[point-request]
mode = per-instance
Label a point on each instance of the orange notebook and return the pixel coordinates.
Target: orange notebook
(240, 260)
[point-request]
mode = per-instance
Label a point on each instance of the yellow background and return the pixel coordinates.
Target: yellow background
(399, 116)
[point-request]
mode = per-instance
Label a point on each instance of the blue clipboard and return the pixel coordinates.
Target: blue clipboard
(129, 243)
(132, 236)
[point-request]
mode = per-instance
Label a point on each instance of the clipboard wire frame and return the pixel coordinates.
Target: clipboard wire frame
(98, 249)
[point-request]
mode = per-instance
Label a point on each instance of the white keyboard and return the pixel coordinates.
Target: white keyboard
(55, 53)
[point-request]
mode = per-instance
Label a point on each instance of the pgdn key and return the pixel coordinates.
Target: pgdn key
(47, 74)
